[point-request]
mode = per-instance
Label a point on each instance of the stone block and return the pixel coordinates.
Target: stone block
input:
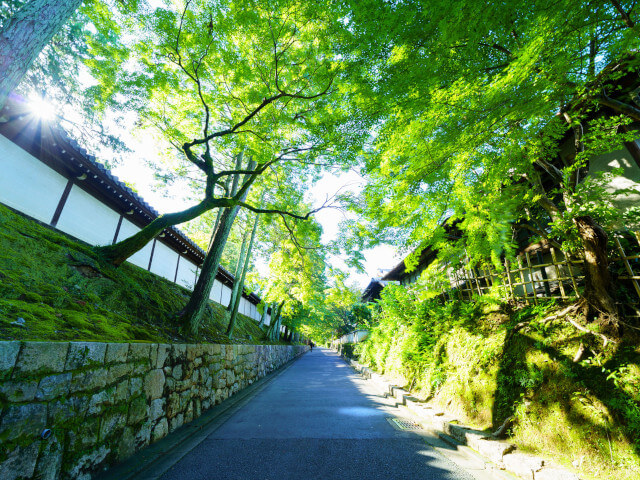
(23, 421)
(138, 410)
(117, 372)
(139, 352)
(162, 356)
(89, 380)
(53, 386)
(188, 414)
(494, 450)
(160, 430)
(99, 401)
(83, 354)
(41, 357)
(176, 422)
(50, 460)
(111, 424)
(88, 463)
(143, 435)
(122, 391)
(20, 463)
(62, 410)
(154, 384)
(178, 353)
(116, 353)
(555, 473)
(8, 356)
(473, 437)
(192, 352)
(135, 386)
(177, 372)
(156, 409)
(522, 464)
(153, 354)
(173, 405)
(127, 444)
(19, 391)
(86, 438)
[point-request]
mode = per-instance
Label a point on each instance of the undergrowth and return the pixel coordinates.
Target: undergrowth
(468, 358)
(55, 288)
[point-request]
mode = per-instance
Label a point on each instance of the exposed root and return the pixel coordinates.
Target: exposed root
(506, 424)
(563, 313)
(606, 340)
(580, 353)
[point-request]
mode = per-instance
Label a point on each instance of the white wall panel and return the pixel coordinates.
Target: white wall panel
(216, 291)
(27, 184)
(165, 261)
(243, 305)
(140, 258)
(226, 295)
(186, 273)
(88, 219)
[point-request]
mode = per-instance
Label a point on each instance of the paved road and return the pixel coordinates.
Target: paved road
(315, 421)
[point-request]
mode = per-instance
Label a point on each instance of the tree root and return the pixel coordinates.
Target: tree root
(501, 429)
(564, 314)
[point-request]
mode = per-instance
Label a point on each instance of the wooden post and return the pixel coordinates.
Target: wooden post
(627, 265)
(507, 266)
(524, 284)
(554, 260)
(533, 284)
(567, 259)
(543, 272)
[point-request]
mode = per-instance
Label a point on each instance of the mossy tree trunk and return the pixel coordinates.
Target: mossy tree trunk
(263, 318)
(598, 286)
(119, 252)
(273, 333)
(241, 275)
(199, 300)
(25, 34)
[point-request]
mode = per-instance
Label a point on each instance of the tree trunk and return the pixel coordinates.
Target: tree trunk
(193, 311)
(240, 278)
(274, 328)
(598, 285)
(119, 252)
(263, 318)
(25, 35)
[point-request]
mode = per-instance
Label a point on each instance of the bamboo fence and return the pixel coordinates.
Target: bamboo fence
(536, 276)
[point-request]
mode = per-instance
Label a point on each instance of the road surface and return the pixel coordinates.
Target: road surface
(316, 420)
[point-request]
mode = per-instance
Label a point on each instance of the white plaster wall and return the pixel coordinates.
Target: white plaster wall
(186, 273)
(226, 295)
(164, 261)
(243, 306)
(216, 291)
(88, 219)
(31, 187)
(140, 258)
(630, 178)
(27, 184)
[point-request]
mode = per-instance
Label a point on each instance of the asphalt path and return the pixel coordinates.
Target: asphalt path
(317, 420)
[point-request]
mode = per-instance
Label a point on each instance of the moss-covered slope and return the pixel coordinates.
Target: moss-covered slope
(489, 363)
(55, 288)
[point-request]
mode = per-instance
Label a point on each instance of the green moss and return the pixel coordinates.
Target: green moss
(63, 291)
(471, 361)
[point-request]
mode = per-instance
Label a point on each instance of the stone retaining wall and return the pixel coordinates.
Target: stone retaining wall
(68, 409)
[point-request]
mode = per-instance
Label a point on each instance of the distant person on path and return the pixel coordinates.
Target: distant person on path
(311, 345)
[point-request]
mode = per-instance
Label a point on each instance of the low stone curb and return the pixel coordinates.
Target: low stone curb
(502, 454)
